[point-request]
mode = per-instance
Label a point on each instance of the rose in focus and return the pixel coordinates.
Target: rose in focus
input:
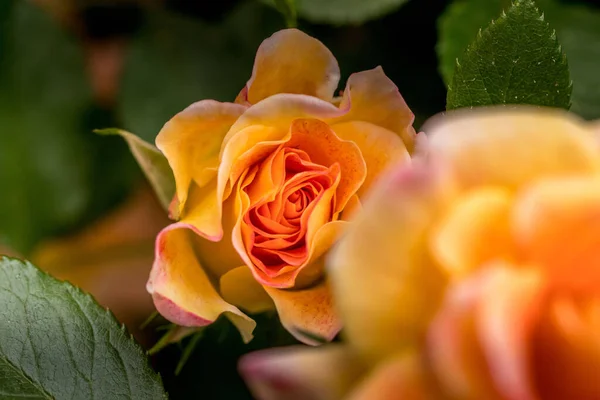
(265, 186)
(472, 273)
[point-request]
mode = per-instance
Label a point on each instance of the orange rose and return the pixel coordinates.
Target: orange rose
(265, 186)
(470, 274)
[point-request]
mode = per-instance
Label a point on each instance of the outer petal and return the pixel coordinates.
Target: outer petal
(290, 61)
(400, 378)
(557, 226)
(479, 341)
(310, 311)
(567, 350)
(371, 96)
(239, 288)
(475, 230)
(301, 373)
(182, 291)
(386, 286)
(191, 141)
(380, 148)
(512, 147)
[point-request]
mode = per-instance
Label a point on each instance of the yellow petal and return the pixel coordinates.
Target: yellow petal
(479, 340)
(182, 291)
(385, 285)
(301, 373)
(217, 257)
(380, 148)
(239, 288)
(512, 147)
(566, 355)
(371, 96)
(556, 226)
(309, 311)
(191, 141)
(290, 61)
(475, 229)
(400, 378)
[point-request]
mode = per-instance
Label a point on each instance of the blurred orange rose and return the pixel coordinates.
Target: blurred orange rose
(265, 185)
(472, 273)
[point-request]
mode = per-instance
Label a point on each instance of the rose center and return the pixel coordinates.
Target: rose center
(277, 226)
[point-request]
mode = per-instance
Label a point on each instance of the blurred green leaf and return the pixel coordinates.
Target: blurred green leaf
(341, 12)
(43, 155)
(288, 9)
(458, 27)
(56, 342)
(516, 60)
(578, 31)
(152, 162)
(177, 60)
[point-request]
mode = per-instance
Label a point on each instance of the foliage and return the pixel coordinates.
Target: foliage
(57, 343)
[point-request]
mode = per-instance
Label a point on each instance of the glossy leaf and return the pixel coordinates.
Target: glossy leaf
(56, 342)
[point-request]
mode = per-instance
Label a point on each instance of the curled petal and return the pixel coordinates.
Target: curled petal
(556, 224)
(566, 350)
(191, 141)
(282, 66)
(182, 291)
(386, 288)
(371, 96)
(301, 373)
(326, 148)
(512, 147)
(475, 230)
(400, 378)
(308, 312)
(380, 148)
(239, 288)
(479, 341)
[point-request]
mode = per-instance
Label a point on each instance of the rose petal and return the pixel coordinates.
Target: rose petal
(323, 241)
(239, 288)
(557, 224)
(217, 257)
(474, 230)
(324, 147)
(191, 142)
(386, 288)
(380, 148)
(400, 378)
(308, 310)
(302, 373)
(566, 350)
(512, 147)
(510, 307)
(479, 340)
(371, 96)
(181, 289)
(290, 61)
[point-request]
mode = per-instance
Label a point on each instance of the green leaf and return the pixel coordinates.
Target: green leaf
(288, 9)
(516, 60)
(56, 342)
(49, 159)
(152, 162)
(458, 27)
(177, 60)
(578, 30)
